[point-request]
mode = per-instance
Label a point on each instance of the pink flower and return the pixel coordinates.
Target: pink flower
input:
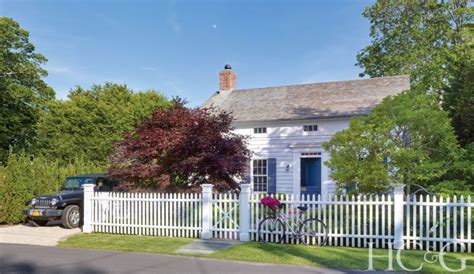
(270, 202)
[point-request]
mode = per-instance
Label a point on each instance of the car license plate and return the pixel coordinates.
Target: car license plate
(35, 213)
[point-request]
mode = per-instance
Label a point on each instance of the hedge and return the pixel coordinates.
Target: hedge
(24, 176)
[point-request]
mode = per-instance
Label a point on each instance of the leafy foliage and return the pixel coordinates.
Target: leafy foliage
(458, 98)
(181, 148)
(407, 139)
(90, 121)
(419, 38)
(24, 176)
(459, 180)
(23, 92)
(433, 42)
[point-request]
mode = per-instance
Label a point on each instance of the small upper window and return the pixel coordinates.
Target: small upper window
(310, 128)
(260, 130)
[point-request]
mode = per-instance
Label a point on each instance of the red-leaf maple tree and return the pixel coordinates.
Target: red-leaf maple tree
(178, 149)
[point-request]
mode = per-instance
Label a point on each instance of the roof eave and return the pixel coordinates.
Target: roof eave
(243, 122)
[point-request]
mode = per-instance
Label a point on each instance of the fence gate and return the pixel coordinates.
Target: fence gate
(225, 216)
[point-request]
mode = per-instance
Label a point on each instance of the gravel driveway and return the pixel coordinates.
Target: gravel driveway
(48, 235)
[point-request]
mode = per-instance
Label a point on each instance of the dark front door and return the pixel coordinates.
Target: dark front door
(311, 176)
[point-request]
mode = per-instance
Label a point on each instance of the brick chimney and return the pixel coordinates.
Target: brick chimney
(227, 79)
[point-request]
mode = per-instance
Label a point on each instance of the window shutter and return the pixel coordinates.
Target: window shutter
(272, 187)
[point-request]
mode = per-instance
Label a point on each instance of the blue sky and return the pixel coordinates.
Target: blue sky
(178, 47)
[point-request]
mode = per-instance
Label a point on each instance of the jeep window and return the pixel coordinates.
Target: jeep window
(104, 185)
(76, 183)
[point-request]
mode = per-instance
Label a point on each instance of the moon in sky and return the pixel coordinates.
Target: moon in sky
(214, 26)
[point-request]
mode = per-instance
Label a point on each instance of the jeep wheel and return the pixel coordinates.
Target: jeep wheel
(71, 216)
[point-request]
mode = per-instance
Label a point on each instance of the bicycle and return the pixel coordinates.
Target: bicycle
(308, 231)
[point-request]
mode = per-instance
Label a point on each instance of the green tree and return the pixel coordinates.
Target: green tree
(433, 42)
(460, 178)
(458, 98)
(90, 121)
(419, 38)
(23, 93)
(407, 139)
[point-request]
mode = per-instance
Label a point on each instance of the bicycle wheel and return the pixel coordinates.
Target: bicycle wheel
(313, 232)
(271, 230)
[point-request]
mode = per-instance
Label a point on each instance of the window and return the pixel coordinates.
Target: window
(260, 175)
(76, 183)
(103, 184)
(259, 130)
(310, 128)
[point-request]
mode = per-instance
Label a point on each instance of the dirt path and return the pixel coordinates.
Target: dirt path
(25, 234)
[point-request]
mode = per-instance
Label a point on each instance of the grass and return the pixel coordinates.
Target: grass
(162, 245)
(336, 257)
(329, 257)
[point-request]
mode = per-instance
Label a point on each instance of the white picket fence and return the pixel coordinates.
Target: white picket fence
(434, 222)
(421, 222)
(351, 221)
(157, 214)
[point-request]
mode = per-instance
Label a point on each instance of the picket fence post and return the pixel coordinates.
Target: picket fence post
(87, 219)
(244, 205)
(398, 217)
(206, 211)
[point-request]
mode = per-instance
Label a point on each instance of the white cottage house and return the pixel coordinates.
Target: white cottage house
(287, 126)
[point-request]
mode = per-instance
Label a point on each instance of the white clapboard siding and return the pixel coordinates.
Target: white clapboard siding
(280, 136)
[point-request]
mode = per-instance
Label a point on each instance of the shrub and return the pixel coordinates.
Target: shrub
(25, 176)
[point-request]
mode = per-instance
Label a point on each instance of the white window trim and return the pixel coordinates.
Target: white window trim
(310, 154)
(259, 133)
(252, 175)
(311, 125)
(297, 155)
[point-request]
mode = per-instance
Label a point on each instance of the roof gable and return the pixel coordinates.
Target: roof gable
(308, 101)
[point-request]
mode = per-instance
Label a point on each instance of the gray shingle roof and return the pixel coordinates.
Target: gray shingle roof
(307, 101)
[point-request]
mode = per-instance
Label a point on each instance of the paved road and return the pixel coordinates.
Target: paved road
(25, 234)
(52, 260)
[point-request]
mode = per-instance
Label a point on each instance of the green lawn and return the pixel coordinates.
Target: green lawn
(331, 257)
(162, 245)
(335, 257)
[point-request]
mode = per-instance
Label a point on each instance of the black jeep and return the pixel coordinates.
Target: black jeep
(67, 204)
